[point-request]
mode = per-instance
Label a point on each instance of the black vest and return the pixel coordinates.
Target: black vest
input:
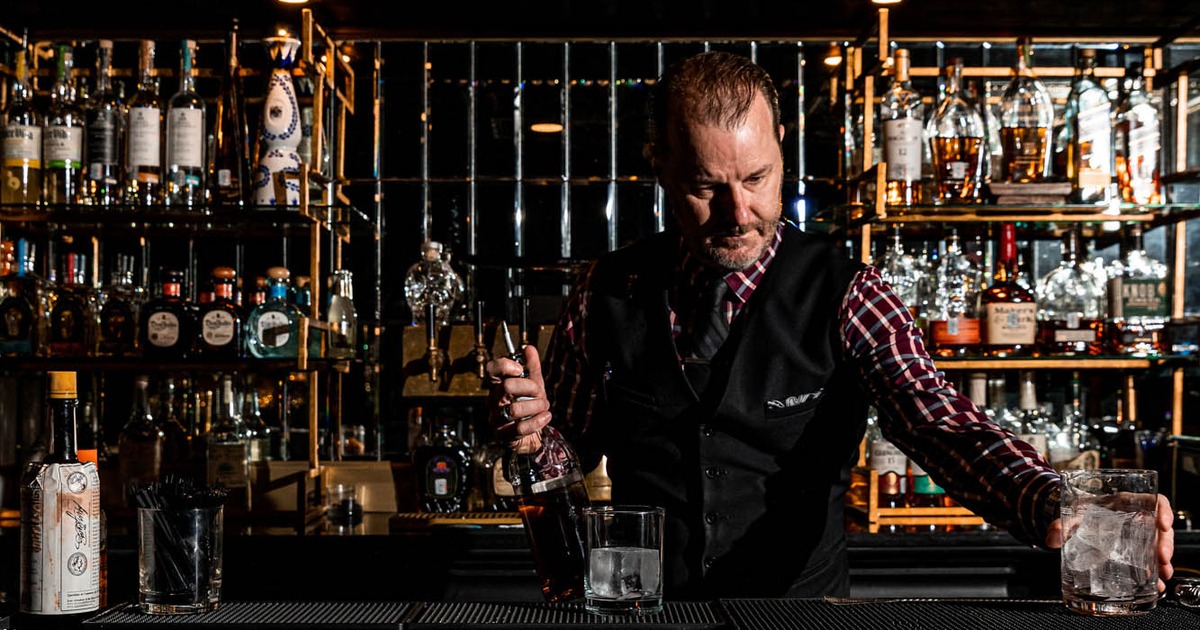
(752, 472)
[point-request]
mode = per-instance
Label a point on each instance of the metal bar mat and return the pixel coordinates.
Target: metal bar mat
(253, 615)
(515, 616)
(976, 614)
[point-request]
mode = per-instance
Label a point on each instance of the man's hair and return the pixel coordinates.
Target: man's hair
(713, 87)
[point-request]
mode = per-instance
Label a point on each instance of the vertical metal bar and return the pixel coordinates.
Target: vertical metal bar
(377, 100)
(610, 205)
(660, 202)
(754, 51)
(801, 165)
(565, 245)
(472, 164)
(518, 155)
(1181, 122)
(426, 193)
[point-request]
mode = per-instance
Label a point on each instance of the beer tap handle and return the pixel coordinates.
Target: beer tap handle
(433, 354)
(481, 352)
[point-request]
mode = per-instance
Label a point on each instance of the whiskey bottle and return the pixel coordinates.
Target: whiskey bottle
(228, 451)
(1036, 427)
(1026, 117)
(62, 136)
(166, 325)
(228, 171)
(105, 112)
(1071, 305)
(444, 469)
(21, 166)
(140, 444)
(220, 321)
(342, 317)
(73, 318)
(186, 137)
(903, 117)
(273, 327)
(891, 466)
(21, 310)
(60, 522)
(957, 143)
(954, 326)
(925, 492)
(143, 160)
(1138, 306)
(1137, 145)
(1087, 121)
(551, 494)
(120, 305)
(1008, 310)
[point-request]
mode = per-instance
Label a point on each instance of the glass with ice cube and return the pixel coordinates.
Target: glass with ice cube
(624, 551)
(1109, 561)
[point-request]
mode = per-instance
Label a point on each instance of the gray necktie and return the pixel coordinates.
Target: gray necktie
(709, 330)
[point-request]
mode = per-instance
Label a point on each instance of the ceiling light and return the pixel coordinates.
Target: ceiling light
(293, 1)
(546, 127)
(885, 2)
(834, 56)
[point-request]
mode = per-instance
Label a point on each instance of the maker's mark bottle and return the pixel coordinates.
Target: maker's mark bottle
(551, 495)
(60, 522)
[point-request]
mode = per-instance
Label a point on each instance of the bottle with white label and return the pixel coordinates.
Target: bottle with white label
(228, 451)
(903, 117)
(143, 159)
(1008, 310)
(60, 522)
(105, 133)
(186, 138)
(273, 327)
(166, 327)
(62, 136)
(956, 143)
(220, 321)
(21, 157)
(1036, 426)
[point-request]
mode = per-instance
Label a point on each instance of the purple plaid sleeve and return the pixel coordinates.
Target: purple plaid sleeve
(982, 466)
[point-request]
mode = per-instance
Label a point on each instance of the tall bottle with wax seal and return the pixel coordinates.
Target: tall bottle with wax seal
(548, 481)
(280, 132)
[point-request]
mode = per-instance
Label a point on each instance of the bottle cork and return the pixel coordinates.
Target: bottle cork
(62, 385)
(279, 273)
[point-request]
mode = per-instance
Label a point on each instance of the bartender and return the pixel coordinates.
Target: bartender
(725, 367)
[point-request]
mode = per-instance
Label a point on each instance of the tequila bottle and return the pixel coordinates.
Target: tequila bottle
(140, 451)
(62, 136)
(143, 159)
(342, 317)
(903, 117)
(1089, 127)
(957, 143)
(273, 327)
(73, 316)
(186, 138)
(166, 327)
(1138, 306)
(220, 321)
(1136, 142)
(21, 161)
(954, 327)
(106, 114)
(228, 450)
(1071, 304)
(228, 173)
(1026, 117)
(1008, 310)
(120, 304)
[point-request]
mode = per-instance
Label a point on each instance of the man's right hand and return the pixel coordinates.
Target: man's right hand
(517, 406)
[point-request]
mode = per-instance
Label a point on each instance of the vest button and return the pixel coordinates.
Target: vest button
(712, 472)
(711, 517)
(709, 562)
(706, 430)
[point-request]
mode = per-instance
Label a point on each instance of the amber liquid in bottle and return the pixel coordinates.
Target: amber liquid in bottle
(1009, 309)
(956, 161)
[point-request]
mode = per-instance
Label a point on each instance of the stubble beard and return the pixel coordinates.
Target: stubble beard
(738, 259)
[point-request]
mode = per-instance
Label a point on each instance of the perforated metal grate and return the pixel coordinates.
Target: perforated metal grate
(517, 616)
(247, 615)
(999, 614)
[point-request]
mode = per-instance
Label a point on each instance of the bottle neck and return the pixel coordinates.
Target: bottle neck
(146, 82)
(64, 445)
(223, 290)
(187, 82)
(170, 289)
(1006, 261)
(277, 292)
(1028, 400)
(104, 71)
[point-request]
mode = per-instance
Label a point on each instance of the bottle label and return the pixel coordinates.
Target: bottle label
(60, 540)
(162, 329)
(892, 465)
(145, 137)
(23, 146)
(224, 178)
(16, 326)
(118, 326)
(186, 139)
(1094, 124)
(217, 328)
(227, 464)
(501, 486)
(902, 149)
(274, 329)
(1010, 323)
(1075, 335)
(102, 142)
(441, 476)
(62, 147)
(955, 331)
(1037, 441)
(1135, 297)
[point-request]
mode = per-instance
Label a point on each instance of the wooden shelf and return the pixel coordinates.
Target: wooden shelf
(1047, 363)
(863, 498)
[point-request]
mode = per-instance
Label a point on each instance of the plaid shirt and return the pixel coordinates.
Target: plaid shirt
(984, 467)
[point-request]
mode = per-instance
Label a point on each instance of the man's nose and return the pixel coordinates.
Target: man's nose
(734, 205)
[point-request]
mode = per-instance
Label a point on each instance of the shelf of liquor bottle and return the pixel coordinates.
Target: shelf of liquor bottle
(211, 219)
(1061, 362)
(859, 214)
(863, 499)
(126, 364)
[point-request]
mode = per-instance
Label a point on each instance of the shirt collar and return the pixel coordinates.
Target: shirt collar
(742, 283)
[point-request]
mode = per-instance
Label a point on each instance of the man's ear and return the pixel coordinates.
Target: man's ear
(781, 130)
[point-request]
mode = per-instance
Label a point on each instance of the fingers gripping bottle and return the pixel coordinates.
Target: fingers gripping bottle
(551, 495)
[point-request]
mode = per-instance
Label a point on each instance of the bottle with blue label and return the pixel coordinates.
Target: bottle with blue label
(443, 469)
(20, 315)
(273, 327)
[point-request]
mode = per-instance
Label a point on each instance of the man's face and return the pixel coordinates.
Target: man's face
(723, 186)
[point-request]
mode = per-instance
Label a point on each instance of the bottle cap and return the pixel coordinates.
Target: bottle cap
(62, 385)
(302, 281)
(224, 273)
(279, 273)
